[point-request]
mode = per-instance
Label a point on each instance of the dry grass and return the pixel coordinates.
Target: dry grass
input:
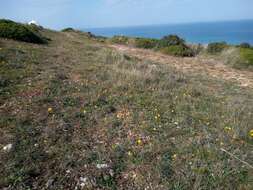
(84, 116)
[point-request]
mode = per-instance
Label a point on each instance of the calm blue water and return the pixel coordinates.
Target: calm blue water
(233, 32)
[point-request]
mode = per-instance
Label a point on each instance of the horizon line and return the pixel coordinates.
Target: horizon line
(162, 24)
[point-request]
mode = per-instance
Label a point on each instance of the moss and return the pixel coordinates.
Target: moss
(20, 32)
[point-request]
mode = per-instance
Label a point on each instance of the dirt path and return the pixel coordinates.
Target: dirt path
(193, 65)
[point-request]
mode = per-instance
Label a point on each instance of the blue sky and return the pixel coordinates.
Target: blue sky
(58, 14)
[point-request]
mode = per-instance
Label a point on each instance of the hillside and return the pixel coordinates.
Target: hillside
(79, 113)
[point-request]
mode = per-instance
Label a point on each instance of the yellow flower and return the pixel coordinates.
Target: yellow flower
(130, 153)
(50, 110)
(174, 156)
(84, 111)
(228, 128)
(139, 141)
(251, 133)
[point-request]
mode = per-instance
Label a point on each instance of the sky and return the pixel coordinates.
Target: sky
(58, 14)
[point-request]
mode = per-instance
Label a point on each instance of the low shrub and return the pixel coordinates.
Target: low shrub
(174, 45)
(217, 47)
(120, 40)
(171, 40)
(20, 32)
(68, 30)
(245, 45)
(146, 43)
(178, 50)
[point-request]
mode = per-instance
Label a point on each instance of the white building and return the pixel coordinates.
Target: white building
(33, 22)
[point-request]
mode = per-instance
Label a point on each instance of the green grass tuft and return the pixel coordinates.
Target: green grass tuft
(247, 56)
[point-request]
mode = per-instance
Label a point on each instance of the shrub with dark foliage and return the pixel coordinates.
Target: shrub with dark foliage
(216, 47)
(68, 30)
(146, 43)
(245, 45)
(174, 45)
(20, 32)
(178, 50)
(171, 40)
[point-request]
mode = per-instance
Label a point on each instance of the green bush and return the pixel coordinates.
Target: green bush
(178, 50)
(146, 43)
(245, 45)
(68, 30)
(20, 32)
(217, 47)
(171, 40)
(174, 45)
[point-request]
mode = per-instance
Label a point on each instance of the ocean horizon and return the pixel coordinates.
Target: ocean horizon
(232, 32)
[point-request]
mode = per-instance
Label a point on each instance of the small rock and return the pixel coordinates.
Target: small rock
(8, 147)
(68, 171)
(102, 166)
(111, 172)
(83, 181)
(49, 183)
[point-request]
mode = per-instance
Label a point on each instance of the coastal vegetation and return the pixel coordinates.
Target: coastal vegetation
(76, 113)
(171, 44)
(217, 47)
(21, 32)
(238, 56)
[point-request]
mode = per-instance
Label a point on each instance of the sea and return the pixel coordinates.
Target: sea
(232, 32)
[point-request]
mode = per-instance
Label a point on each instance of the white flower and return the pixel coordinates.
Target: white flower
(8, 147)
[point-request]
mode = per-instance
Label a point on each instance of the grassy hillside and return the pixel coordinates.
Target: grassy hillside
(79, 115)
